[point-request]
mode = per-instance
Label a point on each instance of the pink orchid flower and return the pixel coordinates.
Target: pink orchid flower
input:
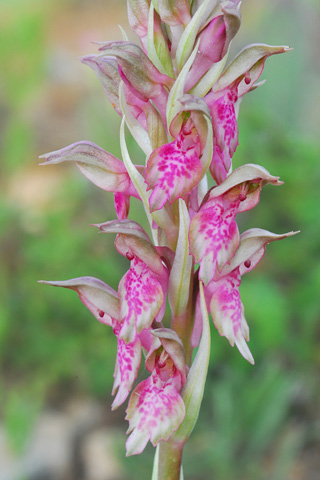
(155, 408)
(214, 235)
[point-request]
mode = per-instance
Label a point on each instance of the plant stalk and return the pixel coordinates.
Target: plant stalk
(170, 458)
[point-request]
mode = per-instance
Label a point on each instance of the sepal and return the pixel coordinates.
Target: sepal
(138, 11)
(106, 70)
(133, 241)
(174, 12)
(126, 227)
(251, 249)
(137, 130)
(96, 295)
(141, 74)
(244, 185)
(243, 64)
(100, 167)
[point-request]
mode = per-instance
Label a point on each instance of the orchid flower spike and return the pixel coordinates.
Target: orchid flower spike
(179, 96)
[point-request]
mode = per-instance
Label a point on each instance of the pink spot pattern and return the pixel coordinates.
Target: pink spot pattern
(172, 172)
(227, 311)
(214, 238)
(141, 297)
(226, 305)
(225, 133)
(155, 410)
(126, 370)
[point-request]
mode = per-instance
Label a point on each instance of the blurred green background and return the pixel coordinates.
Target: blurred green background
(257, 423)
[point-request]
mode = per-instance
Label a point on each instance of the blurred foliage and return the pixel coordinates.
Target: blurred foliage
(254, 421)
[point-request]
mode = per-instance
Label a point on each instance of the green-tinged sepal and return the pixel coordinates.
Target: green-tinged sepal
(132, 241)
(136, 129)
(174, 12)
(138, 69)
(158, 49)
(138, 11)
(96, 295)
(245, 61)
(125, 227)
(100, 167)
(106, 70)
(251, 249)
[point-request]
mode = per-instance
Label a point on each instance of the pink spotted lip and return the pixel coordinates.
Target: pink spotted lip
(172, 173)
(141, 298)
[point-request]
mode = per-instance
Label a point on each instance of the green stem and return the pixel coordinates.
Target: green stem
(170, 457)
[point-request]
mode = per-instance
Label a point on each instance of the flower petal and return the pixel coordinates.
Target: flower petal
(141, 298)
(172, 173)
(225, 134)
(214, 237)
(126, 370)
(228, 314)
(163, 219)
(155, 411)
